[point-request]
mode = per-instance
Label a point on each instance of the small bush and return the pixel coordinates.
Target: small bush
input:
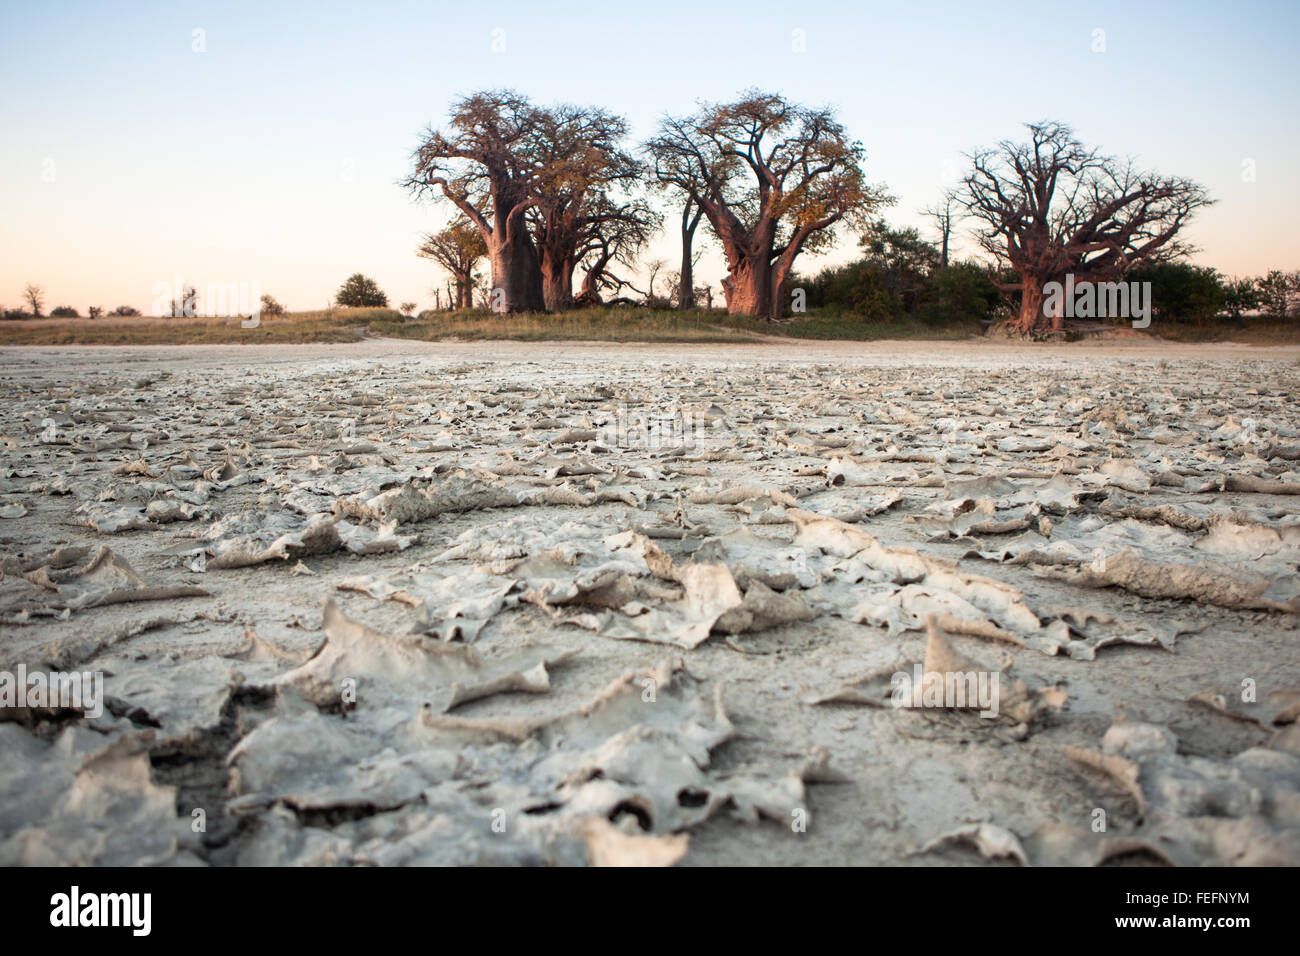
(361, 291)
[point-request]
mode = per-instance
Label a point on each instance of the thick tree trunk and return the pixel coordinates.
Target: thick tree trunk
(516, 276)
(748, 288)
(1031, 317)
(752, 277)
(589, 294)
(557, 284)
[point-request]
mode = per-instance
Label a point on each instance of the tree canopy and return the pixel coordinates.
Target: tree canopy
(1051, 206)
(360, 291)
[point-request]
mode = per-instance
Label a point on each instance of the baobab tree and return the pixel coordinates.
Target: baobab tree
(459, 248)
(614, 240)
(485, 165)
(580, 170)
(772, 178)
(1052, 207)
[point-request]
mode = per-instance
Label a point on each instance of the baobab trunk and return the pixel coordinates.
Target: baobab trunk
(557, 284)
(590, 294)
(516, 277)
(1031, 317)
(749, 291)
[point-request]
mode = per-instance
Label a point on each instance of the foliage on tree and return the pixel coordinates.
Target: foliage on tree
(458, 249)
(360, 291)
(1279, 293)
(772, 179)
(1240, 296)
(1181, 292)
(546, 188)
(1051, 207)
(905, 259)
(484, 164)
(615, 241)
(584, 195)
(961, 292)
(900, 274)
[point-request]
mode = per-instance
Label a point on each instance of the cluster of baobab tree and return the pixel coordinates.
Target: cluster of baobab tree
(542, 192)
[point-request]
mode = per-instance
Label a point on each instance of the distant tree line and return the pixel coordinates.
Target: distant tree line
(900, 274)
(33, 299)
(552, 209)
(545, 193)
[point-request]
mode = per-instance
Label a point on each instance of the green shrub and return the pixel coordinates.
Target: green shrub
(360, 291)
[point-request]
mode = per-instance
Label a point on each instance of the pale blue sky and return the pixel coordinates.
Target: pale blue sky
(273, 156)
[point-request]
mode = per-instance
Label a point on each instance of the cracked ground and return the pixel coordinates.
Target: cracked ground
(408, 603)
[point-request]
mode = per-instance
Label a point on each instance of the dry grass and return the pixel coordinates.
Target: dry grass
(348, 325)
(332, 325)
(596, 325)
(1251, 331)
(631, 324)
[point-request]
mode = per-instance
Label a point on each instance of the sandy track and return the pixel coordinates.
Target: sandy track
(923, 353)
